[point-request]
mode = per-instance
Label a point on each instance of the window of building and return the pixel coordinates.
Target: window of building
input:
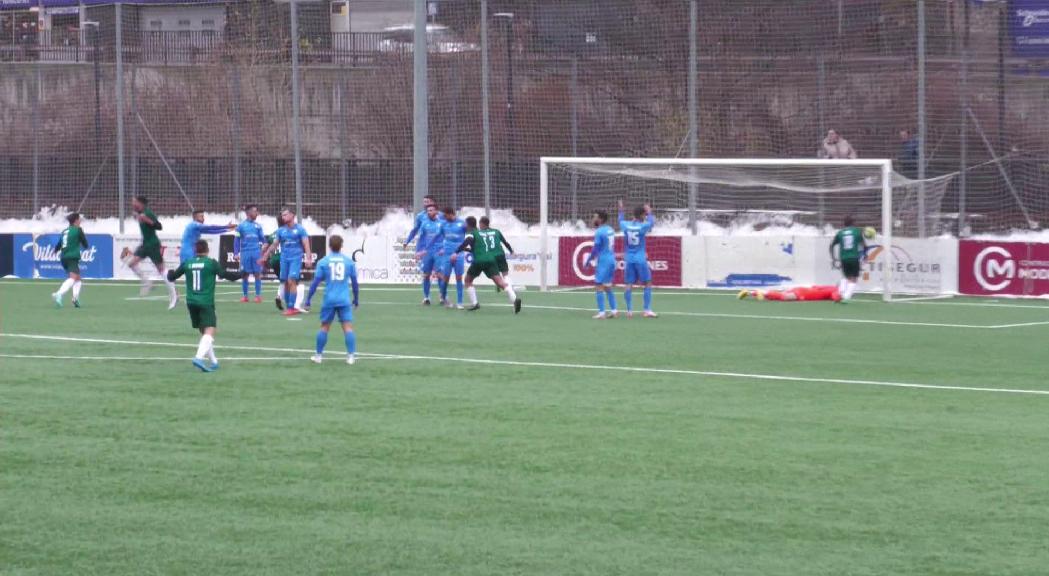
(156, 25)
(183, 23)
(208, 23)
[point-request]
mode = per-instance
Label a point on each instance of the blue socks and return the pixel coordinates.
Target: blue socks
(612, 300)
(442, 285)
(648, 298)
(628, 295)
(459, 292)
(289, 298)
(600, 294)
(351, 342)
(322, 341)
(244, 286)
(258, 285)
(426, 287)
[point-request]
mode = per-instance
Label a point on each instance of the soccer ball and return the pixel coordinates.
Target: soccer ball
(869, 233)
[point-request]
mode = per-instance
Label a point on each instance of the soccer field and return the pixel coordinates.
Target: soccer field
(726, 437)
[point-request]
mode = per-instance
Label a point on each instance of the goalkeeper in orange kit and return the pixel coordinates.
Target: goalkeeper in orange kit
(798, 294)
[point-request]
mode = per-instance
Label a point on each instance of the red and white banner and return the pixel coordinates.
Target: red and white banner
(664, 256)
(1003, 268)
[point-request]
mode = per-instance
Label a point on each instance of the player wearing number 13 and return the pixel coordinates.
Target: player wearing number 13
(338, 272)
(200, 274)
(852, 248)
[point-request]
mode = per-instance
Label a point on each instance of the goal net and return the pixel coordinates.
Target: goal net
(735, 223)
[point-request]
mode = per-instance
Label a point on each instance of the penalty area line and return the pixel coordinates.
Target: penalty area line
(589, 367)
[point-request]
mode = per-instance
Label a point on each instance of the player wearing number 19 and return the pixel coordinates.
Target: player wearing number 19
(638, 272)
(200, 274)
(68, 247)
(852, 248)
(338, 272)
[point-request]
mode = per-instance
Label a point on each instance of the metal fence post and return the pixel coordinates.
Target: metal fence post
(921, 120)
(693, 113)
(963, 154)
(236, 125)
(573, 97)
(295, 105)
(37, 92)
(486, 127)
(119, 87)
(421, 108)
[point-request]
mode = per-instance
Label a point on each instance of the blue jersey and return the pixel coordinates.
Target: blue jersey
(634, 238)
(419, 218)
(338, 272)
(429, 235)
(290, 240)
(250, 239)
(454, 233)
(604, 245)
(191, 235)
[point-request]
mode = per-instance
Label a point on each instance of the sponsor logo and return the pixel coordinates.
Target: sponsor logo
(992, 263)
(47, 253)
(750, 281)
(1030, 18)
(373, 273)
(902, 262)
(574, 252)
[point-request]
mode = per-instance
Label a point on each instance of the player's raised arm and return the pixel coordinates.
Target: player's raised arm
(622, 216)
(650, 220)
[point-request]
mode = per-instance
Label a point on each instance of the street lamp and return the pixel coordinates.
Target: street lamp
(508, 19)
(98, 78)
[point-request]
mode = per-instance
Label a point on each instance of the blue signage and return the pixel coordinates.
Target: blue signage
(1029, 28)
(749, 281)
(39, 259)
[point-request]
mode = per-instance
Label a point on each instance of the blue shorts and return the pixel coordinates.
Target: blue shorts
(290, 269)
(605, 272)
(445, 266)
(427, 262)
(638, 273)
(249, 263)
(329, 313)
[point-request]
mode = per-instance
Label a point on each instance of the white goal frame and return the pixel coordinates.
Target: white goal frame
(886, 193)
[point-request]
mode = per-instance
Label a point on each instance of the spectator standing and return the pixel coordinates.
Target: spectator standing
(836, 148)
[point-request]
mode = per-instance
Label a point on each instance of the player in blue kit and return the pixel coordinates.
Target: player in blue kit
(419, 218)
(453, 232)
(638, 272)
(294, 243)
(191, 235)
(248, 246)
(427, 246)
(338, 272)
(604, 253)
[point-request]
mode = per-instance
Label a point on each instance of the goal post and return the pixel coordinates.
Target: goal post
(722, 197)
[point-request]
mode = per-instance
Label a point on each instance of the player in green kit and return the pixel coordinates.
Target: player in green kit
(852, 249)
(150, 248)
(68, 248)
(485, 245)
(274, 264)
(200, 274)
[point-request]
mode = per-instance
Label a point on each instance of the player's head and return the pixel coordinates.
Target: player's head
(485, 222)
(201, 248)
(428, 201)
(139, 203)
(74, 219)
(287, 216)
(251, 211)
(449, 213)
(849, 221)
(639, 213)
(431, 211)
(471, 223)
(335, 243)
(600, 217)
(198, 215)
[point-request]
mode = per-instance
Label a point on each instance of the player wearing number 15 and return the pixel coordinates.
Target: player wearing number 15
(638, 272)
(338, 272)
(200, 274)
(852, 248)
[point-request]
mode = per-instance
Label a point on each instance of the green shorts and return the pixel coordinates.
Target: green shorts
(500, 261)
(202, 316)
(489, 269)
(850, 268)
(151, 252)
(71, 265)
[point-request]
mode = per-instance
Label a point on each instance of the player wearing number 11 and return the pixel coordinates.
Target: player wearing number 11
(338, 272)
(638, 272)
(200, 274)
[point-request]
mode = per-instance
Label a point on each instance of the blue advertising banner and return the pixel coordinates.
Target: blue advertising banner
(1029, 28)
(39, 259)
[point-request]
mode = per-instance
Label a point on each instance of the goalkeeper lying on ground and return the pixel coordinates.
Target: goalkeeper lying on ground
(798, 294)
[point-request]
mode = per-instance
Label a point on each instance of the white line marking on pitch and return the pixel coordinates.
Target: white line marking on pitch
(707, 373)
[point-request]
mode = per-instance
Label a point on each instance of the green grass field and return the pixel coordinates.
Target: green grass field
(725, 437)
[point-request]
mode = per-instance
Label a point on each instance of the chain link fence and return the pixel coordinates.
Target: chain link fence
(204, 118)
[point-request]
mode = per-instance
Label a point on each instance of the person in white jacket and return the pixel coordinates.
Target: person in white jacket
(835, 147)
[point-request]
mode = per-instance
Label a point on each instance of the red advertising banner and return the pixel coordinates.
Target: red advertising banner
(1003, 268)
(664, 256)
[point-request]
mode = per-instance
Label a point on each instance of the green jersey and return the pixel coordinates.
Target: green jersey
(200, 274)
(488, 245)
(149, 231)
(72, 241)
(275, 257)
(850, 243)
